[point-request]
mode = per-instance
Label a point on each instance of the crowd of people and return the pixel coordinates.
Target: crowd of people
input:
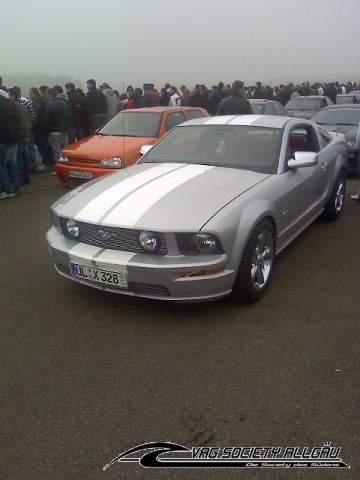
(34, 129)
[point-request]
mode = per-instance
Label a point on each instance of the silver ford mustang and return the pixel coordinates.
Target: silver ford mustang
(204, 212)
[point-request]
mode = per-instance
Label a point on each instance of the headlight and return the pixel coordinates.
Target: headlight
(352, 145)
(149, 241)
(205, 242)
(62, 159)
(193, 243)
(111, 162)
(72, 228)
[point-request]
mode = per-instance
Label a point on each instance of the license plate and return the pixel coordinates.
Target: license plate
(74, 174)
(115, 279)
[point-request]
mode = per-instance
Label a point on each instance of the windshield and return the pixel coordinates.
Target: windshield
(234, 146)
(304, 103)
(133, 124)
(346, 116)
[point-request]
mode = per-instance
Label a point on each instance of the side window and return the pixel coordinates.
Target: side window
(174, 119)
(194, 114)
(279, 110)
(269, 109)
(302, 139)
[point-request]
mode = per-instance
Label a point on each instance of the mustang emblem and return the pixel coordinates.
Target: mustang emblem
(105, 235)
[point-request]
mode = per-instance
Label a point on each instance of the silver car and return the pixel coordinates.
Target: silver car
(204, 212)
(306, 107)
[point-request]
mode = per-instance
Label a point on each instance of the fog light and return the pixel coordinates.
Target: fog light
(73, 228)
(149, 241)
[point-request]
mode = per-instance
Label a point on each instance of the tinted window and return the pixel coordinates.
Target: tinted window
(235, 146)
(258, 108)
(194, 114)
(269, 109)
(174, 119)
(279, 109)
(133, 124)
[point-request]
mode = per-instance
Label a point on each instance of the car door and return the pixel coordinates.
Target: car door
(301, 189)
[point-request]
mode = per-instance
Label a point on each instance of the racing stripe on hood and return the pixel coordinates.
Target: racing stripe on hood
(132, 208)
(82, 253)
(104, 202)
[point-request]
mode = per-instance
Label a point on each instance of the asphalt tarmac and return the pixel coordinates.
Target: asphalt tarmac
(85, 376)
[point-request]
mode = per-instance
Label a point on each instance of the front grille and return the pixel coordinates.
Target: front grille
(152, 290)
(118, 238)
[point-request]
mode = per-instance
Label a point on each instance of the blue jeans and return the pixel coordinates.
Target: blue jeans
(9, 170)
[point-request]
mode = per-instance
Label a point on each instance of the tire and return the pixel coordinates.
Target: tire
(256, 265)
(335, 204)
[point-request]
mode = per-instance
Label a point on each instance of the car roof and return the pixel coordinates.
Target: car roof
(300, 97)
(270, 121)
(161, 109)
(261, 100)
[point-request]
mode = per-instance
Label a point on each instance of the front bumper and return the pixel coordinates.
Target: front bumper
(149, 276)
(84, 173)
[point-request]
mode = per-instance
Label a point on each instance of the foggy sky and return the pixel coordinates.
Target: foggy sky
(185, 42)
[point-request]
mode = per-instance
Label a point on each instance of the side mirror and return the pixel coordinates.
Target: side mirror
(144, 149)
(303, 159)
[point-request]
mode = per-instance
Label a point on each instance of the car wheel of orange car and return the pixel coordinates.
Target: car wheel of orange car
(257, 264)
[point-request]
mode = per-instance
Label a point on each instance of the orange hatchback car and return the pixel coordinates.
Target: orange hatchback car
(118, 142)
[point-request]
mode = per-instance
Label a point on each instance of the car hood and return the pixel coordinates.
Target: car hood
(348, 130)
(98, 147)
(163, 197)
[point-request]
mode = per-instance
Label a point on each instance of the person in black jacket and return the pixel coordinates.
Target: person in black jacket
(9, 136)
(78, 111)
(235, 104)
(58, 123)
(96, 106)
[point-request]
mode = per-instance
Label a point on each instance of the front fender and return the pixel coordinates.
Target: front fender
(236, 224)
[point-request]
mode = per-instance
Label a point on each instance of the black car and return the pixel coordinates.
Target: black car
(344, 119)
(262, 106)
